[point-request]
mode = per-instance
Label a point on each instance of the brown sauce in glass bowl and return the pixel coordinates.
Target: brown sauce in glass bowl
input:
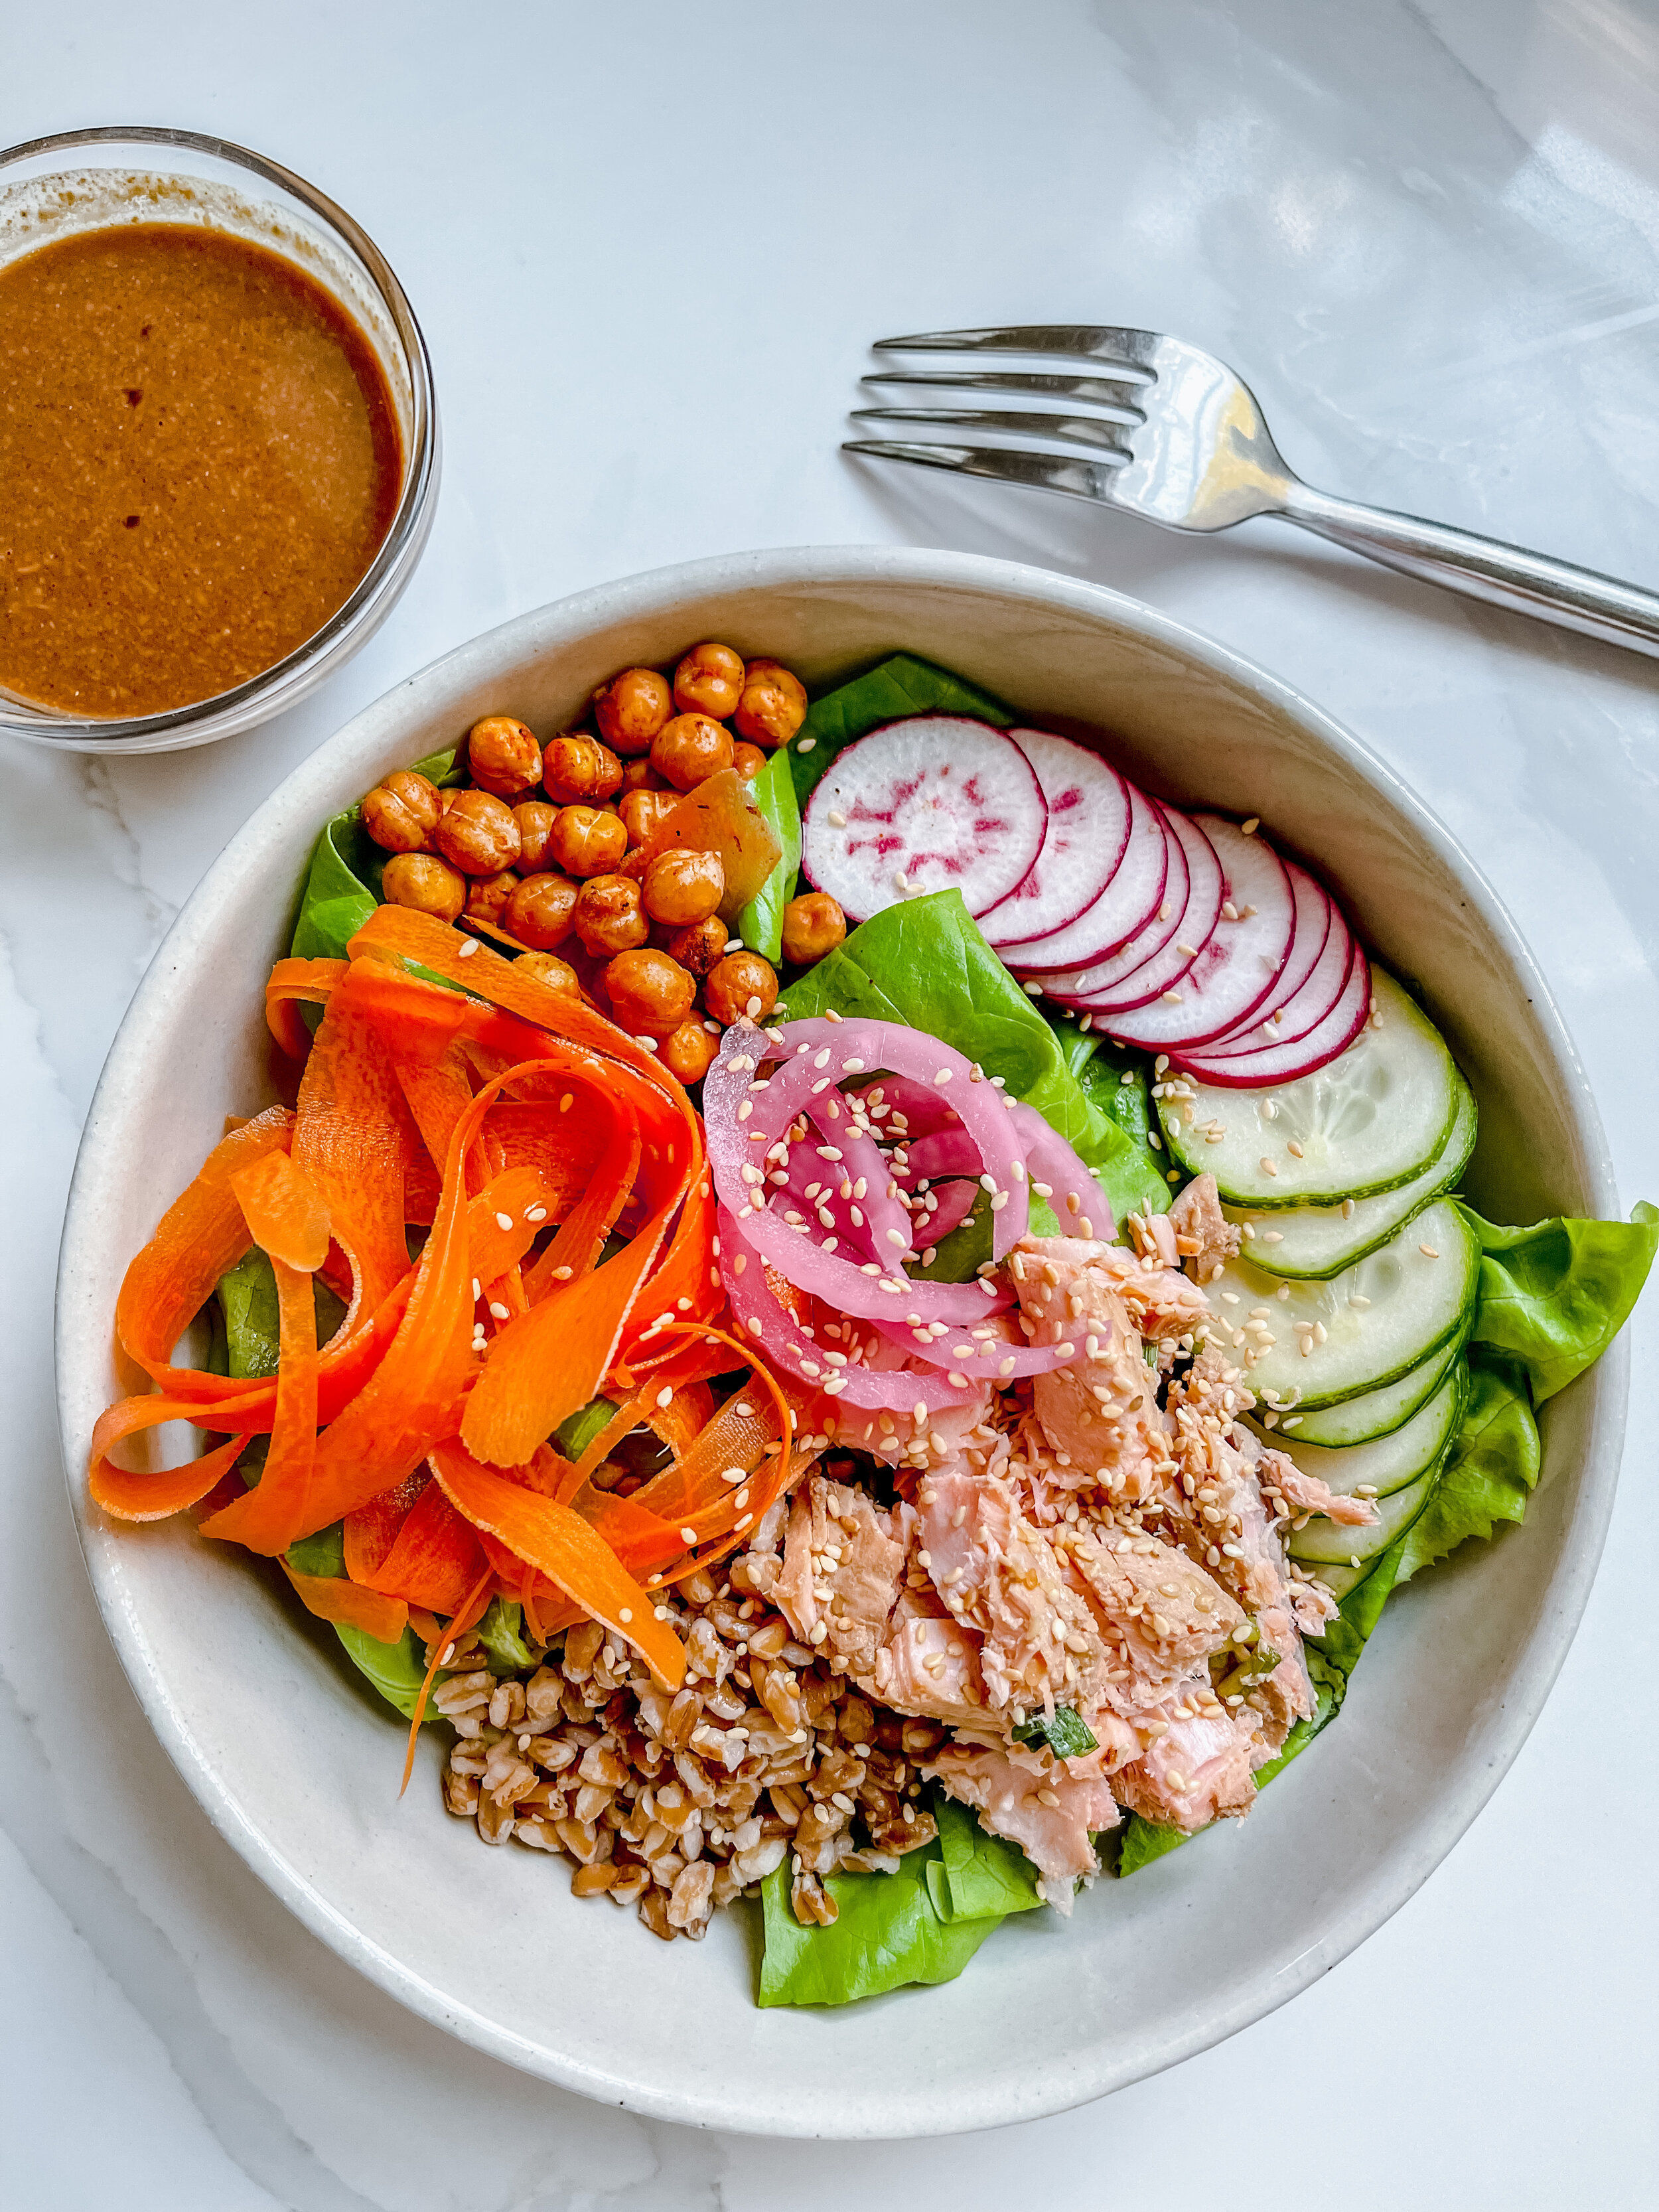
(199, 458)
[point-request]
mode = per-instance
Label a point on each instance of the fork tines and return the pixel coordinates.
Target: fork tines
(1106, 432)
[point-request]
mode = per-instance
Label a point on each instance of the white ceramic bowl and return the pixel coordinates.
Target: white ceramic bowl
(299, 1768)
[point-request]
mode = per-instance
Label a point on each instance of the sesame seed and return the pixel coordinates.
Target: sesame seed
(1347, 1209)
(1269, 1167)
(1172, 998)
(688, 1535)
(1250, 828)
(805, 745)
(468, 949)
(1428, 1251)
(943, 1076)
(1294, 1149)
(837, 820)
(498, 1312)
(503, 1221)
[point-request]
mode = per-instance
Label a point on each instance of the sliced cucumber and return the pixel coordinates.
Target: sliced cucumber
(1386, 1463)
(1328, 1543)
(1414, 1294)
(1340, 1579)
(1300, 1241)
(1370, 1120)
(1375, 1412)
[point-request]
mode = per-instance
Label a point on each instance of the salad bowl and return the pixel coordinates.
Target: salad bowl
(298, 1766)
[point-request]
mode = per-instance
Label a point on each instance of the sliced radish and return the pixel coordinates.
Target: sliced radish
(1088, 828)
(1118, 988)
(1317, 922)
(1124, 907)
(933, 803)
(1286, 1063)
(1282, 1021)
(1239, 966)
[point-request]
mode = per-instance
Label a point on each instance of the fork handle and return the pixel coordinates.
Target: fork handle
(1484, 569)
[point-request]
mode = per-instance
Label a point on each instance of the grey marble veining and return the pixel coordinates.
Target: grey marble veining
(649, 248)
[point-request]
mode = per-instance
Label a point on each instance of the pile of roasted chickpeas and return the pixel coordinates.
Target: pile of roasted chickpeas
(552, 846)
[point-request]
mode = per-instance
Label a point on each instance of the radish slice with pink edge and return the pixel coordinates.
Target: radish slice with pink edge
(1282, 1020)
(934, 803)
(1141, 948)
(1287, 1063)
(1123, 909)
(1317, 961)
(1242, 963)
(1121, 984)
(1087, 830)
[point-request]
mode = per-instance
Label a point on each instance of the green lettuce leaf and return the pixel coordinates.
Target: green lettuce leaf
(760, 923)
(501, 1634)
(342, 887)
(1489, 1471)
(924, 964)
(901, 686)
(979, 1876)
(1554, 1296)
(888, 1933)
(321, 1554)
(397, 1670)
(247, 1299)
(575, 1433)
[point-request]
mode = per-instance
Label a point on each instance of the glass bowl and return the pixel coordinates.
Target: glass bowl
(76, 180)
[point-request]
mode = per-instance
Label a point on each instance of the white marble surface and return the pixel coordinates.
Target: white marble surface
(648, 246)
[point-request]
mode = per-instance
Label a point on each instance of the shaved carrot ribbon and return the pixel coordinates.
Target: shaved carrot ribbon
(561, 1545)
(467, 1614)
(295, 983)
(331, 1597)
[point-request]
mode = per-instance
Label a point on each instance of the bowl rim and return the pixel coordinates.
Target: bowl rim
(564, 622)
(376, 591)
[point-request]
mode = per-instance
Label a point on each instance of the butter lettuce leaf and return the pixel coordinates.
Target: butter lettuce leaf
(887, 1934)
(397, 1670)
(760, 923)
(343, 886)
(1489, 1473)
(904, 685)
(1554, 1296)
(980, 1877)
(924, 964)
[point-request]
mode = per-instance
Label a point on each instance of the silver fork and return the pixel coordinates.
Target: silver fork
(1176, 437)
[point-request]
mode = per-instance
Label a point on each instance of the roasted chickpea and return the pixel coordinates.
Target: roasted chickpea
(709, 681)
(639, 775)
(540, 912)
(487, 895)
(690, 749)
(535, 818)
(688, 1054)
(422, 881)
(748, 760)
(576, 768)
(609, 917)
(649, 992)
(631, 708)
(813, 924)
(402, 812)
(684, 886)
(644, 811)
(588, 841)
(548, 967)
(503, 757)
(742, 983)
(773, 706)
(478, 834)
(701, 947)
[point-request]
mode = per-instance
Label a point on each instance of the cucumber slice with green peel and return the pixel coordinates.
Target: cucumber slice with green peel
(1370, 1120)
(1374, 1413)
(1340, 1579)
(1324, 1543)
(1305, 1242)
(1386, 1463)
(1374, 1321)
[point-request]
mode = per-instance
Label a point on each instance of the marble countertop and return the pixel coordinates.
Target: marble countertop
(649, 248)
